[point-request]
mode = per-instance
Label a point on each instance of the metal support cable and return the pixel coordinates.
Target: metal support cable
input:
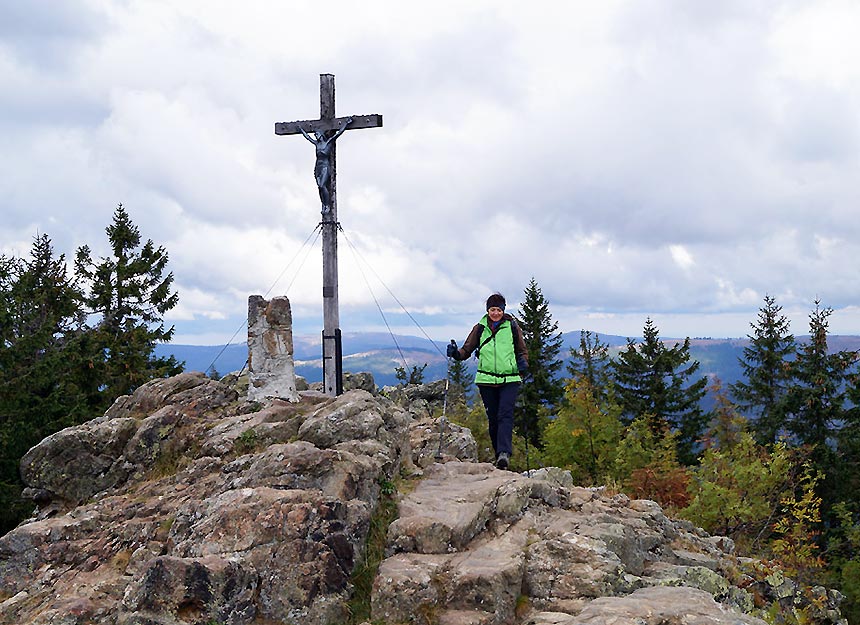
(317, 230)
(373, 295)
(418, 325)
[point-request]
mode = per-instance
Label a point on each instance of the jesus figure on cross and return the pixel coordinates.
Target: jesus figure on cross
(322, 170)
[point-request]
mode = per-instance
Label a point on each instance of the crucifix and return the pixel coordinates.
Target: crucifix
(326, 130)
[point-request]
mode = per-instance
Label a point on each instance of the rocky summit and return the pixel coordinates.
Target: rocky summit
(187, 504)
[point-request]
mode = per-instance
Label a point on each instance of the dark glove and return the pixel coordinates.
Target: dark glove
(452, 349)
(522, 366)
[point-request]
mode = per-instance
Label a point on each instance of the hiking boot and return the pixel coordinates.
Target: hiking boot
(502, 461)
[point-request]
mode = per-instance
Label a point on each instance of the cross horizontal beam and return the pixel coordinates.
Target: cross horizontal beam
(317, 125)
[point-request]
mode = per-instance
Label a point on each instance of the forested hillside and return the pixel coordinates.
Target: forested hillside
(375, 352)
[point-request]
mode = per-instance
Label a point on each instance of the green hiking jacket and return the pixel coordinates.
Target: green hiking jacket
(497, 359)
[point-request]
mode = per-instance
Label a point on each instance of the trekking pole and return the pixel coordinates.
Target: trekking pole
(528, 466)
(444, 407)
(525, 432)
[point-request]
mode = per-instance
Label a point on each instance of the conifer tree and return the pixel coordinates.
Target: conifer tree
(41, 314)
(656, 382)
(591, 362)
(816, 407)
(765, 364)
(130, 291)
(816, 399)
(540, 396)
(848, 450)
(40, 317)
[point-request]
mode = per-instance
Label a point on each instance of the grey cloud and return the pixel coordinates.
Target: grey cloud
(48, 102)
(436, 75)
(819, 125)
(49, 34)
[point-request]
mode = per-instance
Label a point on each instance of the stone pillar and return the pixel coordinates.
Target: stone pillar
(270, 349)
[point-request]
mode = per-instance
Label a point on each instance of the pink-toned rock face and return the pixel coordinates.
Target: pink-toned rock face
(187, 504)
(180, 506)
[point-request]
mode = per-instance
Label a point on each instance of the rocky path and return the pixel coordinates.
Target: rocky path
(478, 546)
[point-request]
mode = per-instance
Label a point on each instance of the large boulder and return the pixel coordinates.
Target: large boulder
(421, 400)
(187, 504)
(76, 463)
(362, 380)
(435, 440)
(159, 421)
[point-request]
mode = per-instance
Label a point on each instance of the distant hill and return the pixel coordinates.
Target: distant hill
(362, 351)
(377, 353)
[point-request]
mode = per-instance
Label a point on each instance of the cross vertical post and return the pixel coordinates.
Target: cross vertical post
(332, 368)
(327, 129)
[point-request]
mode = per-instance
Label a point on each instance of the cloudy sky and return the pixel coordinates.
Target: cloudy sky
(667, 158)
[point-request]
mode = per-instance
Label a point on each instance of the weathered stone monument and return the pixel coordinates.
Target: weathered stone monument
(270, 349)
(326, 130)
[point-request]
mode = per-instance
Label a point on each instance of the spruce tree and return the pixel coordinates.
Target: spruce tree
(40, 318)
(657, 382)
(816, 399)
(540, 396)
(816, 408)
(130, 291)
(42, 313)
(848, 448)
(765, 364)
(591, 363)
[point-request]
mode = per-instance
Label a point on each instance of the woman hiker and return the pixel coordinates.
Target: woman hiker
(502, 360)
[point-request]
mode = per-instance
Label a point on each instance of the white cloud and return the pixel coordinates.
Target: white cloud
(681, 256)
(814, 42)
(574, 142)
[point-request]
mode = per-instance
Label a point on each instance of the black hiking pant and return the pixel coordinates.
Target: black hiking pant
(499, 403)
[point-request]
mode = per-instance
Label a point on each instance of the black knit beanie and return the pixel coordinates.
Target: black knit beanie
(497, 300)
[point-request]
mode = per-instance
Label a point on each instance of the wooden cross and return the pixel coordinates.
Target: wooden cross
(327, 128)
